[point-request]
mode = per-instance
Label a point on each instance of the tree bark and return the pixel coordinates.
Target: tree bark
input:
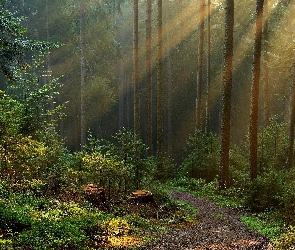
(291, 131)
(200, 67)
(159, 82)
(169, 90)
(208, 94)
(149, 76)
(226, 95)
(83, 126)
(136, 70)
(266, 68)
(255, 91)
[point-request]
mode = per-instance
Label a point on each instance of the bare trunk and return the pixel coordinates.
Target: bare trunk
(226, 95)
(292, 125)
(83, 126)
(266, 69)
(136, 70)
(169, 90)
(149, 76)
(200, 67)
(255, 91)
(208, 94)
(159, 82)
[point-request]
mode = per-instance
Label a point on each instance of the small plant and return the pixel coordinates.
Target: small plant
(219, 216)
(286, 241)
(118, 227)
(263, 225)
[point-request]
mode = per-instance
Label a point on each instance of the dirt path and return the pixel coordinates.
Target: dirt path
(219, 229)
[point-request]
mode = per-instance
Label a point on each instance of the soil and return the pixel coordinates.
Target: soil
(217, 229)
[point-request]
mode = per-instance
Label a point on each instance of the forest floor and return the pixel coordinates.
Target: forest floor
(217, 229)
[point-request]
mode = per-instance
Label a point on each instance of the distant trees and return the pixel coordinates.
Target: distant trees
(226, 95)
(101, 36)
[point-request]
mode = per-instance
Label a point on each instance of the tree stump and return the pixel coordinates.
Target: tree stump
(95, 195)
(141, 196)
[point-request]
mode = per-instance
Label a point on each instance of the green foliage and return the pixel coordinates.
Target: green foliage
(273, 146)
(11, 112)
(38, 94)
(53, 235)
(203, 156)
(14, 218)
(263, 225)
(121, 159)
(286, 241)
(14, 45)
(264, 192)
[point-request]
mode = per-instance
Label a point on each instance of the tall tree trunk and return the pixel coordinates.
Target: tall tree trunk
(169, 89)
(266, 69)
(208, 94)
(159, 82)
(292, 125)
(136, 70)
(255, 91)
(226, 95)
(149, 76)
(200, 67)
(83, 126)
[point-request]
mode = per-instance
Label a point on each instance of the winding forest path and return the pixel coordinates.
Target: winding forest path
(219, 229)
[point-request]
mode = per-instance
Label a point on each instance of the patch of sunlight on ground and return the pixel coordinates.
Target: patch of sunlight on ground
(123, 241)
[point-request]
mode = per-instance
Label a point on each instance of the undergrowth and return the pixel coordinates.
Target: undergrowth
(30, 222)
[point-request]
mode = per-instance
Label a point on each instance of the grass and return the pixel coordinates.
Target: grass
(263, 224)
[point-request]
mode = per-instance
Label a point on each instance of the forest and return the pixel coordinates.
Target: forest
(110, 110)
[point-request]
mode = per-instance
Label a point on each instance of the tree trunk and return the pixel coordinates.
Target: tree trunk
(292, 125)
(159, 82)
(266, 69)
(255, 91)
(149, 76)
(226, 95)
(208, 94)
(200, 67)
(83, 126)
(136, 70)
(169, 89)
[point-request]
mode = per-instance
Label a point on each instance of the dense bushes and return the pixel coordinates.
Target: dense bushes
(202, 156)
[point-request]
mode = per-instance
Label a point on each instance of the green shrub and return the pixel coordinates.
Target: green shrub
(14, 218)
(287, 198)
(286, 241)
(265, 191)
(273, 146)
(203, 156)
(48, 234)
